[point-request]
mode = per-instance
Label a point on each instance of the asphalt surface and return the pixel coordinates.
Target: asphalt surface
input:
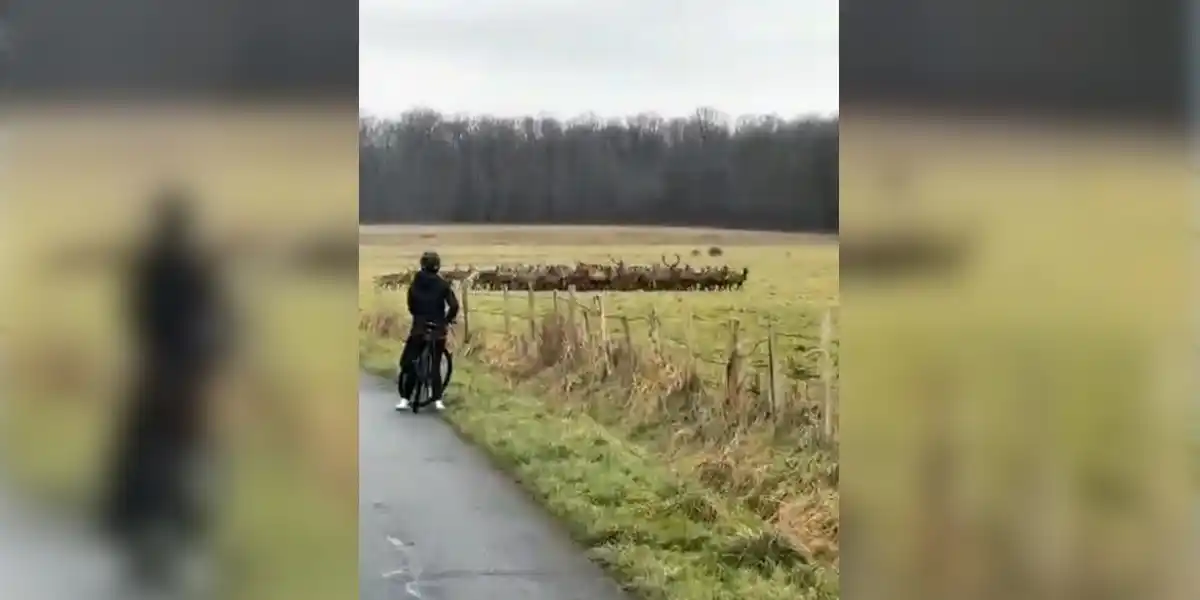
(42, 558)
(437, 522)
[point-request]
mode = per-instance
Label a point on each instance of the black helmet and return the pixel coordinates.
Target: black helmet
(430, 261)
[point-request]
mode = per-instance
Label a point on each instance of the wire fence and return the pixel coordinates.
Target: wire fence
(764, 365)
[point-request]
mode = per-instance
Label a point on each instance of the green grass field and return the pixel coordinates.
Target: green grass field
(793, 279)
(769, 485)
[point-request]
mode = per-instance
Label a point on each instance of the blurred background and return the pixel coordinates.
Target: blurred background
(250, 111)
(1017, 269)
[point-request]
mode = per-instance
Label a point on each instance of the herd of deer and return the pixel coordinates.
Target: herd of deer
(616, 276)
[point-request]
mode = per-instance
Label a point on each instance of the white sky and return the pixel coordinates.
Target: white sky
(610, 57)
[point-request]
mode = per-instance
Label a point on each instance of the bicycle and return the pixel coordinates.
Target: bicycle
(423, 390)
(164, 545)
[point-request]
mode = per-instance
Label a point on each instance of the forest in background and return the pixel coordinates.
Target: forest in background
(754, 172)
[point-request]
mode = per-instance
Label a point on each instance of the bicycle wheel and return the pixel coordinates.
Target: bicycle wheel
(400, 376)
(447, 364)
(421, 390)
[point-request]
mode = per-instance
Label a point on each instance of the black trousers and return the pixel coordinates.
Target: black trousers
(157, 471)
(408, 365)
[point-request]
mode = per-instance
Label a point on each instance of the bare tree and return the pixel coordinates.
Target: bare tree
(711, 170)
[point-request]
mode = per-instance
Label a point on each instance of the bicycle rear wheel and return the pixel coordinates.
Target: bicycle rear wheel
(421, 389)
(448, 363)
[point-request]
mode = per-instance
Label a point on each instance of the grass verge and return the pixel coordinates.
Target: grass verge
(658, 533)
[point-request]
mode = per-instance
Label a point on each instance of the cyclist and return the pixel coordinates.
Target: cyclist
(430, 300)
(182, 332)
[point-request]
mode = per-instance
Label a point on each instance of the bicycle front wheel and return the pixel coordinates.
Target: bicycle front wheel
(447, 368)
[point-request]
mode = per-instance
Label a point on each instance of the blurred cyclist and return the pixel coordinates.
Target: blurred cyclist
(158, 505)
(430, 300)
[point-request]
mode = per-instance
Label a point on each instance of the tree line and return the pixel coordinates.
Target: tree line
(759, 172)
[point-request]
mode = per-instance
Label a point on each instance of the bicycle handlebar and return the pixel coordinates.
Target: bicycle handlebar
(431, 328)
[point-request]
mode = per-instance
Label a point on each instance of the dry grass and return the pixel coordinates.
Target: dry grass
(773, 462)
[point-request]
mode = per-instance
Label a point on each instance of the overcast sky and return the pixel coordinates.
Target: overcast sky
(610, 57)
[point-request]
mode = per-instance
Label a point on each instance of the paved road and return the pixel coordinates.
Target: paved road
(45, 559)
(437, 522)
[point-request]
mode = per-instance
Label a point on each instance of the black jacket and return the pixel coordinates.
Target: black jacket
(177, 311)
(430, 299)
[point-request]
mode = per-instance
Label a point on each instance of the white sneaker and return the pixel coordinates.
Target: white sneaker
(403, 404)
(439, 405)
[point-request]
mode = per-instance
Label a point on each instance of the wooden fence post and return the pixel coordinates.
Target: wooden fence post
(507, 316)
(733, 368)
(465, 290)
(760, 389)
(602, 317)
(586, 331)
(570, 335)
(571, 332)
(628, 337)
(655, 340)
(689, 338)
(827, 374)
(532, 319)
(772, 381)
